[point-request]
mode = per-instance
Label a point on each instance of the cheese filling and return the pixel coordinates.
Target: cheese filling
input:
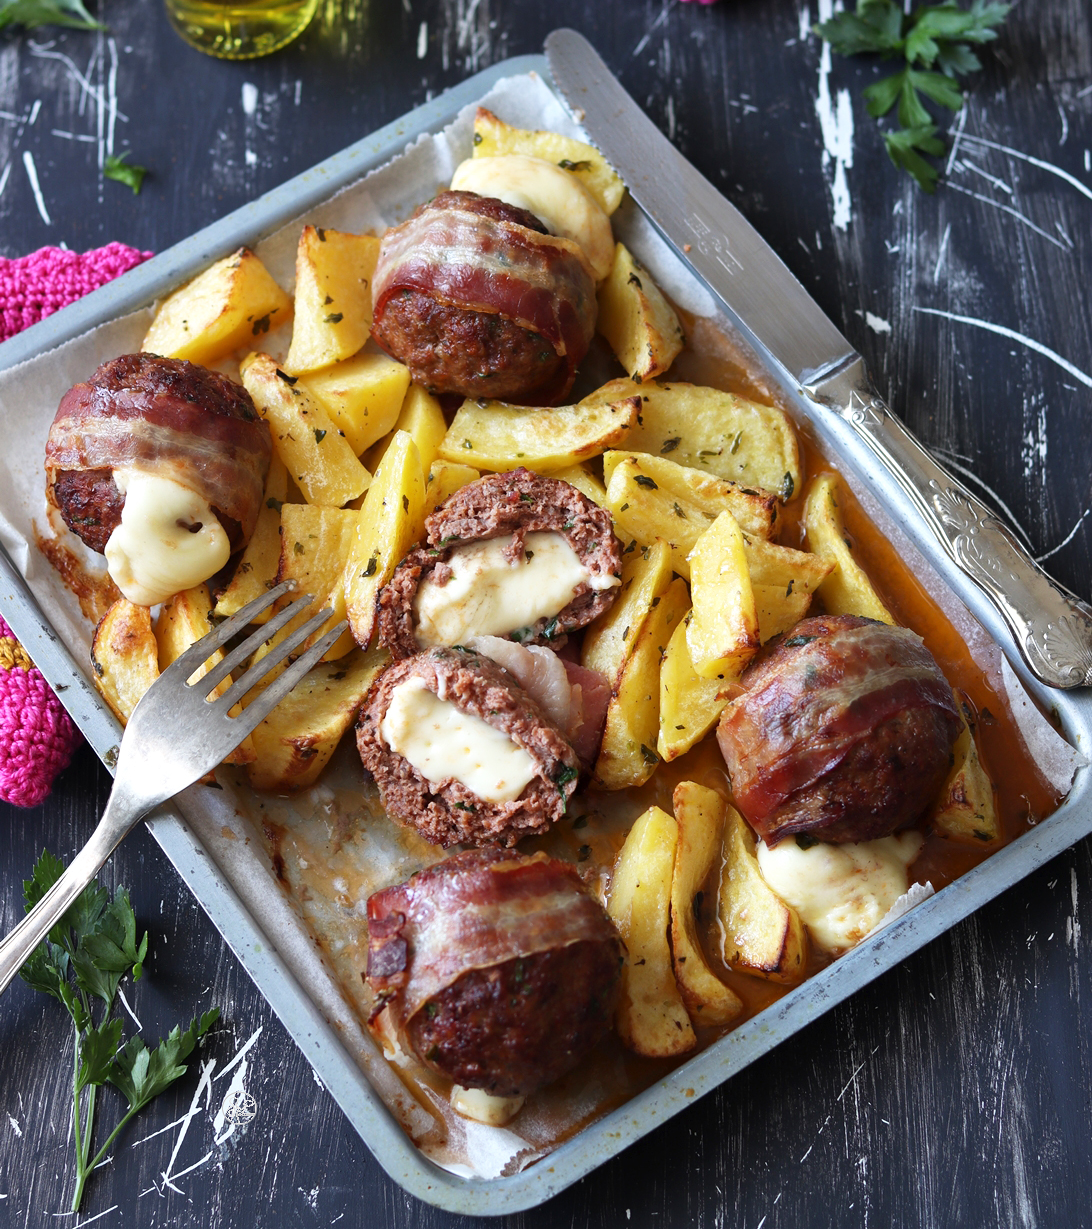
(842, 892)
(483, 1106)
(443, 743)
(488, 596)
(555, 196)
(169, 539)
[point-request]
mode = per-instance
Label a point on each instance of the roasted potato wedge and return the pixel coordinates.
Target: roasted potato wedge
(762, 934)
(743, 441)
(965, 809)
(444, 480)
(651, 1019)
(783, 581)
(493, 436)
(652, 498)
(421, 417)
(699, 817)
(182, 622)
(333, 317)
(229, 306)
(636, 319)
(124, 656)
(689, 704)
(363, 396)
(627, 754)
(722, 635)
(295, 742)
(493, 136)
(610, 639)
(257, 569)
(847, 590)
(391, 520)
(315, 452)
(581, 477)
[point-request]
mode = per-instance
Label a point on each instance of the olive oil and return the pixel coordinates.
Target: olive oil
(241, 29)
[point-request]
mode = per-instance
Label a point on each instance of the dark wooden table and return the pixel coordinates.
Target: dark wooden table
(954, 1091)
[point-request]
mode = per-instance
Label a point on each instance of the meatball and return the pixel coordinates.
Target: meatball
(845, 732)
(163, 416)
(501, 970)
(461, 753)
(419, 606)
(478, 299)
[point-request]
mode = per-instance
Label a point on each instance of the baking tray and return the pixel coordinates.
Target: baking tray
(259, 952)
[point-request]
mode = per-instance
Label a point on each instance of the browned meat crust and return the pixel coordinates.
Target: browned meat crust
(448, 813)
(516, 504)
(90, 504)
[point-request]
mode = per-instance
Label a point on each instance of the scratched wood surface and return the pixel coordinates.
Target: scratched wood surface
(956, 1090)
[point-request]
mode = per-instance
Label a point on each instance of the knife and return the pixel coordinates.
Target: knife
(1051, 626)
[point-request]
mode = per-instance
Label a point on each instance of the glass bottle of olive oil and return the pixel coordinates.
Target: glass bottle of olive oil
(239, 29)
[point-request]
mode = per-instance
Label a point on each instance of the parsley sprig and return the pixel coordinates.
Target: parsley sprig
(936, 42)
(31, 13)
(85, 958)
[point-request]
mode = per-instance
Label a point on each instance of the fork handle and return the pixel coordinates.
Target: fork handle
(122, 812)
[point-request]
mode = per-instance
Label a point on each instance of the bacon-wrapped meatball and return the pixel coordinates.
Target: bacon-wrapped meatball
(476, 298)
(182, 448)
(500, 969)
(845, 732)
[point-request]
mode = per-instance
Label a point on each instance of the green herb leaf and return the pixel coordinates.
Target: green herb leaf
(31, 13)
(902, 149)
(97, 1050)
(116, 168)
(141, 1074)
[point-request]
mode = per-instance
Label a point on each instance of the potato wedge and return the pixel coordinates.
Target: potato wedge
(762, 934)
(391, 520)
(316, 454)
(230, 305)
(699, 817)
(124, 656)
(722, 636)
(743, 441)
(493, 436)
(651, 1019)
(333, 317)
(581, 477)
(182, 621)
(650, 498)
(493, 136)
(444, 480)
(689, 705)
(627, 754)
(636, 319)
(610, 639)
(256, 572)
(847, 590)
(965, 808)
(295, 742)
(363, 395)
(421, 417)
(783, 581)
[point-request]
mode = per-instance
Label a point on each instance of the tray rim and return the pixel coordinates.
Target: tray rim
(258, 952)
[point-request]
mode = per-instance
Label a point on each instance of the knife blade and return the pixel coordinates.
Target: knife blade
(724, 249)
(1051, 627)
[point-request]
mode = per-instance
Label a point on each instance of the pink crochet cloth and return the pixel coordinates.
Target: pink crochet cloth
(37, 737)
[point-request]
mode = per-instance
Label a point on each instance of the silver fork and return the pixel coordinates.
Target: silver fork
(173, 738)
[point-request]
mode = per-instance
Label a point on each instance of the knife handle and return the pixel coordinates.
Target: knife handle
(1051, 626)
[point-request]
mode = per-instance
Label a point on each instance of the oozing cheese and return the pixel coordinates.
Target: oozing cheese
(169, 539)
(840, 891)
(488, 596)
(482, 1106)
(443, 742)
(555, 196)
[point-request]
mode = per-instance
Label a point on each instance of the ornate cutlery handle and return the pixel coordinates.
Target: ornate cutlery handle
(1052, 626)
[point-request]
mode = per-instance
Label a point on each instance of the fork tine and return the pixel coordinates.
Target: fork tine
(198, 653)
(242, 651)
(275, 693)
(260, 669)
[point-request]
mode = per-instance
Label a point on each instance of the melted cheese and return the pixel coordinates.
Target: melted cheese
(488, 596)
(555, 196)
(156, 551)
(482, 1106)
(842, 892)
(443, 743)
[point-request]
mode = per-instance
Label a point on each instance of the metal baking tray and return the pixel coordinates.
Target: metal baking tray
(258, 951)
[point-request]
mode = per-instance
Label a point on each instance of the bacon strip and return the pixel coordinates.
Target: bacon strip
(473, 911)
(541, 282)
(805, 711)
(171, 419)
